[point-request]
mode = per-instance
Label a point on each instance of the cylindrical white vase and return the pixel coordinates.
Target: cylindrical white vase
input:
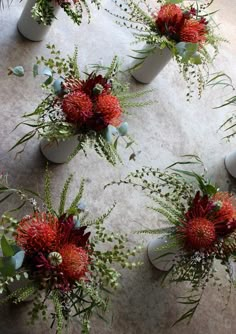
(27, 25)
(233, 268)
(230, 163)
(156, 248)
(152, 65)
(58, 151)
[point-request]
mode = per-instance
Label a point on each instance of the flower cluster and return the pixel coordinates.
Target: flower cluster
(60, 256)
(90, 103)
(181, 25)
(202, 226)
(56, 251)
(189, 32)
(208, 222)
(89, 106)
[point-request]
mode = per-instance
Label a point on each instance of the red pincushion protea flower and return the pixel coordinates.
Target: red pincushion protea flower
(107, 111)
(78, 107)
(224, 218)
(193, 31)
(75, 262)
(199, 233)
(37, 233)
(207, 220)
(169, 19)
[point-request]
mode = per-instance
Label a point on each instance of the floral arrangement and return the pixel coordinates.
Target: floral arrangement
(61, 257)
(187, 30)
(201, 231)
(90, 106)
(43, 10)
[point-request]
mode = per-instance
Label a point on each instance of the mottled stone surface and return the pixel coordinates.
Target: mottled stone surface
(163, 132)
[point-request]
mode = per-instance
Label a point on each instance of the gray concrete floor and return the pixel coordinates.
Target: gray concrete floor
(163, 132)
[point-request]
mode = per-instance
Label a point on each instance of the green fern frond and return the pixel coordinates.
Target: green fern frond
(81, 146)
(106, 150)
(64, 192)
(113, 68)
(167, 206)
(100, 220)
(74, 63)
(134, 95)
(47, 191)
(169, 216)
(161, 230)
(20, 294)
(58, 311)
(78, 196)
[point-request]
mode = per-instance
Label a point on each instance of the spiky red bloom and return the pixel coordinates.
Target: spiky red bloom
(107, 111)
(199, 234)
(224, 218)
(227, 203)
(78, 107)
(193, 31)
(75, 261)
(169, 19)
(208, 219)
(37, 233)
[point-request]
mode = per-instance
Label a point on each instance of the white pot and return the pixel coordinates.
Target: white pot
(58, 151)
(28, 27)
(155, 250)
(230, 163)
(152, 65)
(233, 269)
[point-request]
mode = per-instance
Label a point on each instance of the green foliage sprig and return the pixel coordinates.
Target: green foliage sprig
(107, 251)
(174, 192)
(193, 60)
(43, 10)
(223, 81)
(46, 121)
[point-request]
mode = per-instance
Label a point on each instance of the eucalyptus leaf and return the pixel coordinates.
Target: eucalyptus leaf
(46, 71)
(7, 250)
(35, 70)
(186, 50)
(196, 58)
(57, 86)
(123, 129)
(18, 71)
(48, 81)
(19, 258)
(7, 266)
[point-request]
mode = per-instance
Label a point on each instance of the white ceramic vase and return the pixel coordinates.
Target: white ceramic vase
(152, 65)
(230, 163)
(58, 151)
(28, 27)
(156, 249)
(233, 268)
